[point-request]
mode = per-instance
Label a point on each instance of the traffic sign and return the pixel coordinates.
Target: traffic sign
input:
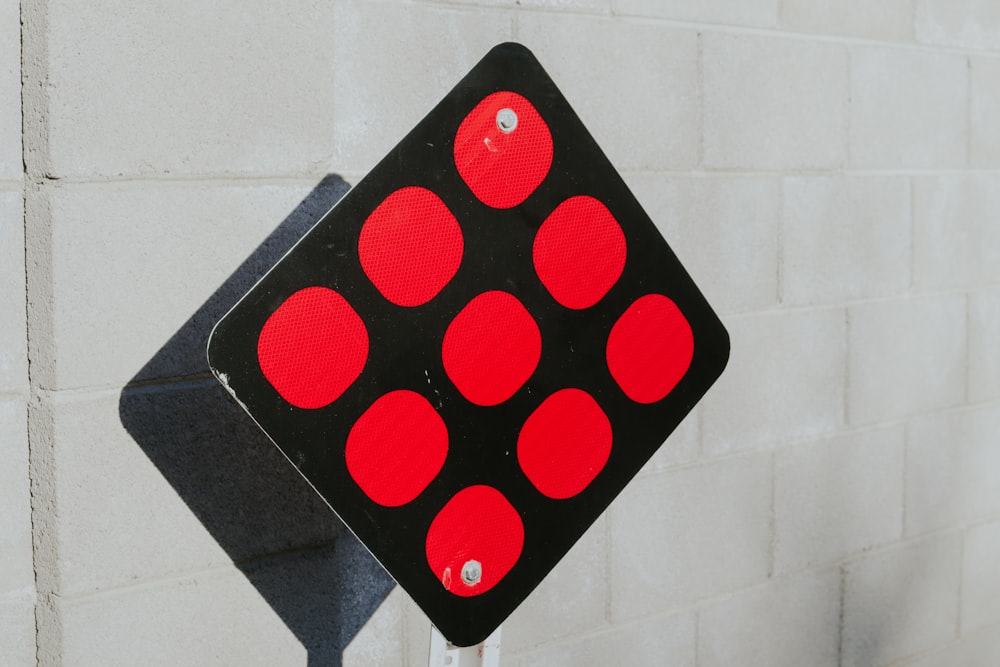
(477, 348)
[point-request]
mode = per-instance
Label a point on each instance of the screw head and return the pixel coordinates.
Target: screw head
(472, 572)
(507, 120)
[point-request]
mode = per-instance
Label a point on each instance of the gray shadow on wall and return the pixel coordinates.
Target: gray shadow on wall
(317, 577)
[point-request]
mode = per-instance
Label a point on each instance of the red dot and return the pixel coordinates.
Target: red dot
(565, 443)
(312, 347)
(579, 252)
(410, 246)
(396, 448)
(502, 168)
(650, 348)
(477, 531)
(491, 348)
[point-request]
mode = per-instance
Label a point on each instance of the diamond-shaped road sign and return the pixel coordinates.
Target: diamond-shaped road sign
(477, 348)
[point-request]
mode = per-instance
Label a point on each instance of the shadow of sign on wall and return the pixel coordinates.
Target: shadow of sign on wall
(318, 579)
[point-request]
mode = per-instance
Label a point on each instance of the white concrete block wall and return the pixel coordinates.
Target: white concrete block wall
(960, 23)
(984, 140)
(886, 20)
(788, 621)
(906, 356)
(837, 496)
(17, 580)
(676, 563)
(764, 108)
(786, 380)
(957, 239)
(845, 238)
(909, 108)
(902, 600)
(984, 355)
(828, 172)
(10, 86)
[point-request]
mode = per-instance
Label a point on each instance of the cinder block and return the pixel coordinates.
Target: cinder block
(571, 601)
(161, 481)
(845, 238)
(313, 607)
(837, 496)
(952, 469)
(907, 356)
(984, 353)
(750, 12)
(982, 648)
(189, 88)
(595, 6)
(10, 90)
(774, 103)
(642, 104)
(13, 327)
(963, 23)
(886, 20)
(393, 64)
(793, 621)
(785, 380)
(16, 569)
(688, 534)
(956, 238)
(202, 619)
(17, 641)
(656, 641)
(723, 229)
(909, 108)
(134, 267)
(591, 6)
(980, 585)
(984, 144)
(901, 601)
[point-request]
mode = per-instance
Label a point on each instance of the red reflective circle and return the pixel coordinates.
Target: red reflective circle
(312, 347)
(491, 348)
(650, 348)
(396, 448)
(579, 252)
(410, 246)
(565, 443)
(478, 530)
(503, 168)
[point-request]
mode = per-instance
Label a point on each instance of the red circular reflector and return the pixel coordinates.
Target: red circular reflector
(410, 246)
(474, 541)
(565, 443)
(491, 348)
(579, 252)
(650, 348)
(312, 347)
(396, 448)
(503, 150)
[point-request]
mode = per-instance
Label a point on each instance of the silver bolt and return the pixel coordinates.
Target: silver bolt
(507, 120)
(472, 572)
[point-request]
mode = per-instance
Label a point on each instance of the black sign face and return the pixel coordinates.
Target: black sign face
(472, 354)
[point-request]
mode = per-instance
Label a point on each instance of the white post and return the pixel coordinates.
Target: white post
(445, 654)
